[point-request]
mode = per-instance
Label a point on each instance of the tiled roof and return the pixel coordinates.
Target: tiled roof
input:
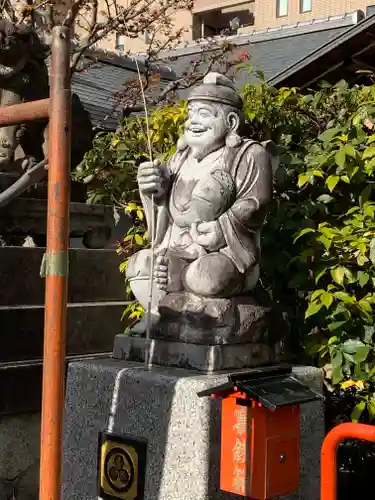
(272, 51)
(97, 85)
(338, 53)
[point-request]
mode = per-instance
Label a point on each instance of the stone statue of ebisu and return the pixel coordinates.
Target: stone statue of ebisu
(211, 201)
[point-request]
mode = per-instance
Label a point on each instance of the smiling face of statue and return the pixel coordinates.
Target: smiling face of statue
(206, 127)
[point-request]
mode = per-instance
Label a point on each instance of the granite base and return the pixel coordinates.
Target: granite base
(182, 430)
(204, 358)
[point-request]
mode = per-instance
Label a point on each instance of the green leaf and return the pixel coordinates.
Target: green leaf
(138, 239)
(365, 195)
(370, 165)
(351, 346)
(361, 353)
(371, 408)
(368, 152)
(349, 357)
(327, 243)
(338, 275)
(362, 260)
(337, 374)
(372, 251)
(131, 207)
(329, 134)
(320, 274)
(357, 411)
(337, 360)
(316, 294)
(332, 182)
(123, 266)
(340, 157)
(327, 299)
(359, 373)
(336, 325)
(369, 332)
(304, 231)
(313, 308)
(302, 180)
(362, 278)
(365, 305)
(371, 372)
(317, 173)
(350, 151)
(325, 198)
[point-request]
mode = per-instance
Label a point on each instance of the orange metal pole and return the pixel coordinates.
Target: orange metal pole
(328, 490)
(20, 113)
(56, 268)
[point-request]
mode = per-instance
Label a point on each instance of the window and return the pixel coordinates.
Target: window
(120, 42)
(217, 22)
(305, 6)
(281, 8)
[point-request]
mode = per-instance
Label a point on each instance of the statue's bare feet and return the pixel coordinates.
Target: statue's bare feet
(161, 273)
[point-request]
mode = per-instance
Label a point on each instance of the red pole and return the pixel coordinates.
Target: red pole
(328, 462)
(56, 267)
(25, 112)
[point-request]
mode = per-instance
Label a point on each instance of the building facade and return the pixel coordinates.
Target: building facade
(216, 17)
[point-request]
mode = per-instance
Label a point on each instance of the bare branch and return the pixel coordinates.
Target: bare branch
(215, 53)
(91, 25)
(73, 12)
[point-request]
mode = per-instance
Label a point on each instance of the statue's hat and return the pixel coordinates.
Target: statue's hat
(216, 88)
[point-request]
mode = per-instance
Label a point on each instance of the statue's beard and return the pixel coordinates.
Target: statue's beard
(201, 148)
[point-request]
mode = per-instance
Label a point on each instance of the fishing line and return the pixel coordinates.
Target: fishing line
(152, 219)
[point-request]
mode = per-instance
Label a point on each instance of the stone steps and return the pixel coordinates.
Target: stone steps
(29, 216)
(21, 384)
(96, 301)
(91, 329)
(93, 276)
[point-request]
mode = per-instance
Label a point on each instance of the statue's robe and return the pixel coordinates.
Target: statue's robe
(235, 188)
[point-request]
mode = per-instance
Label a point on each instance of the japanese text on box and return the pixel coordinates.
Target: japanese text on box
(240, 450)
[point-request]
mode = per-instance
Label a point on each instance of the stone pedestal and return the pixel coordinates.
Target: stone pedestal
(204, 358)
(161, 405)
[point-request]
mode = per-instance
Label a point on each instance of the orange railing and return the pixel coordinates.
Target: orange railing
(328, 463)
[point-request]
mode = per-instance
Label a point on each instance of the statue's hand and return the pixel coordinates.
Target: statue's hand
(150, 178)
(208, 234)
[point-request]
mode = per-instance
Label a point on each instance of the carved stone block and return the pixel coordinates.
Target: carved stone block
(194, 319)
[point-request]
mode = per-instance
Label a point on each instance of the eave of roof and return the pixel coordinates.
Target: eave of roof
(125, 61)
(348, 37)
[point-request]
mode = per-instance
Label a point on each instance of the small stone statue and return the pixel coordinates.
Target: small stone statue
(23, 78)
(211, 201)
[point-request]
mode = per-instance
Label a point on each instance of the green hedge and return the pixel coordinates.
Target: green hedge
(322, 217)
